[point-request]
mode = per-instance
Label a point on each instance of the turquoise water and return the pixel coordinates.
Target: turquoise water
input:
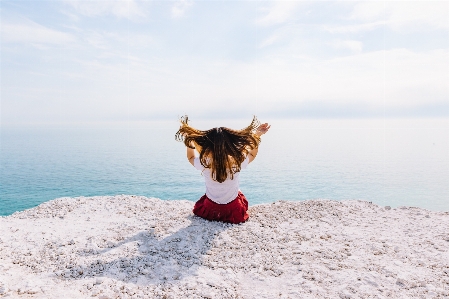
(389, 162)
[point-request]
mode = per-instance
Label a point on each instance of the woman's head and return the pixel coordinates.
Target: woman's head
(221, 149)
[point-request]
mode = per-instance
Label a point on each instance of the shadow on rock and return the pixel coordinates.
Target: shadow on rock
(155, 260)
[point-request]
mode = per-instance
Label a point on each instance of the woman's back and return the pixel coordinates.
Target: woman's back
(225, 191)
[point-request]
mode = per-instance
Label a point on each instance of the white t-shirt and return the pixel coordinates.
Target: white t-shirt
(221, 193)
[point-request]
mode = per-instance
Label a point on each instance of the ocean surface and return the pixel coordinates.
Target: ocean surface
(395, 162)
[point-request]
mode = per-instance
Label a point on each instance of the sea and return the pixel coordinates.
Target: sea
(394, 162)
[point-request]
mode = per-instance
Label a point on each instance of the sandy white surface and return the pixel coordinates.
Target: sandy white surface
(138, 247)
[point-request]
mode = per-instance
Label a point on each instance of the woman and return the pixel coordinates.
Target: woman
(223, 152)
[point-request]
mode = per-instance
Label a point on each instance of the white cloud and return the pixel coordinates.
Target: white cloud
(398, 15)
(369, 11)
(30, 32)
(279, 12)
(401, 15)
(179, 8)
(119, 8)
(73, 17)
(109, 40)
(136, 88)
(288, 34)
(353, 28)
(96, 40)
(152, 72)
(396, 78)
(269, 41)
(352, 45)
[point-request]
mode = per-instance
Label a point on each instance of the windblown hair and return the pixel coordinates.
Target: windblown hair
(221, 149)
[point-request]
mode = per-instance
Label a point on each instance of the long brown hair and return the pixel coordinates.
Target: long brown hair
(221, 149)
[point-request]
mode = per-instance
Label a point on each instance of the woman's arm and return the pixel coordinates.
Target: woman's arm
(262, 129)
(190, 154)
(252, 154)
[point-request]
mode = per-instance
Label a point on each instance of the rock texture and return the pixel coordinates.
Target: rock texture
(138, 247)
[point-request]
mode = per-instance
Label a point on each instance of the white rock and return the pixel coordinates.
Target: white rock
(33, 290)
(430, 287)
(209, 295)
(248, 260)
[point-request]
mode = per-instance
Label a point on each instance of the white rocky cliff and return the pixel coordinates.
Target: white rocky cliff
(138, 247)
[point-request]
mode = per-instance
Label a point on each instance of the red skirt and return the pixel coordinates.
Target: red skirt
(233, 212)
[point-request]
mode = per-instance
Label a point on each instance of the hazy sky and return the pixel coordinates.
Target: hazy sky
(87, 61)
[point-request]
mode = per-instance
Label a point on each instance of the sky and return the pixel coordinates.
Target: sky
(112, 61)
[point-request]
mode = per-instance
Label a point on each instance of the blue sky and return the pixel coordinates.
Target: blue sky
(102, 61)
